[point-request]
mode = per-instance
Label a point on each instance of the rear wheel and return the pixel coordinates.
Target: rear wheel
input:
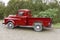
(10, 25)
(38, 27)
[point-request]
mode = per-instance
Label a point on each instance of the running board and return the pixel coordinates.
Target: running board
(25, 26)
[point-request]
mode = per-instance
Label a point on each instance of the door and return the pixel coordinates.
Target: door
(22, 19)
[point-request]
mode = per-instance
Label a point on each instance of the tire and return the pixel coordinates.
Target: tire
(38, 27)
(10, 25)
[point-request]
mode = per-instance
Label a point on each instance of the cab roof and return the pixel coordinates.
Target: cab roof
(24, 10)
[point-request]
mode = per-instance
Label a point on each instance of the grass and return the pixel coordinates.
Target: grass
(57, 25)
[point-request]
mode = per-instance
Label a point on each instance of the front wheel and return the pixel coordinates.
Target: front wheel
(38, 27)
(10, 25)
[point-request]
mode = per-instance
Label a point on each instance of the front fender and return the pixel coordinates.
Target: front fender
(11, 21)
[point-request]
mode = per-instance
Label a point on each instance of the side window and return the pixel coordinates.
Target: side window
(20, 13)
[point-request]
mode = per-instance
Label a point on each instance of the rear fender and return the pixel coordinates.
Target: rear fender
(38, 22)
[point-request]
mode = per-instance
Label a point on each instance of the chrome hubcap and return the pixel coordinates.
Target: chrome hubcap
(38, 27)
(10, 25)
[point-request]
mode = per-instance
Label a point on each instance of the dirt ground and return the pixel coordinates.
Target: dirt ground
(27, 34)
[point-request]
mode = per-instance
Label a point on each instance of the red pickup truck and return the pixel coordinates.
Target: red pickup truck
(24, 18)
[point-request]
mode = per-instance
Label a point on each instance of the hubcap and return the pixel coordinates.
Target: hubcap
(38, 27)
(10, 25)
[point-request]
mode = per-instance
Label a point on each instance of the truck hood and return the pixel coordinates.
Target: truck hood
(12, 16)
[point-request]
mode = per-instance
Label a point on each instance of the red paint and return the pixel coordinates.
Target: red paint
(26, 19)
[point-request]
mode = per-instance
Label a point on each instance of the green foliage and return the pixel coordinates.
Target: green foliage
(50, 13)
(14, 5)
(1, 10)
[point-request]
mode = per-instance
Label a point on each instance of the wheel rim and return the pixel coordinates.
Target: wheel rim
(38, 28)
(10, 25)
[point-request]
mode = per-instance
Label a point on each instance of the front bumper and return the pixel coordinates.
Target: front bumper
(3, 23)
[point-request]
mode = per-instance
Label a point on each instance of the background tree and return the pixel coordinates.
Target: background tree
(2, 10)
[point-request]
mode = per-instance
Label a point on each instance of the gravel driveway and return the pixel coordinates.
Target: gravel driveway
(27, 34)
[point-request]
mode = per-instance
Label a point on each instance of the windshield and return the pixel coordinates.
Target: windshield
(20, 13)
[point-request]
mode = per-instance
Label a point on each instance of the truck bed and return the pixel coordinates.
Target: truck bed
(45, 21)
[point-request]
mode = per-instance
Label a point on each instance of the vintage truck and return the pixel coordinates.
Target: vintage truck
(23, 18)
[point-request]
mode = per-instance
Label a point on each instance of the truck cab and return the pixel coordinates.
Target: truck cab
(24, 12)
(23, 18)
(23, 15)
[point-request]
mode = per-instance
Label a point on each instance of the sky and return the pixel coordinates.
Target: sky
(5, 1)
